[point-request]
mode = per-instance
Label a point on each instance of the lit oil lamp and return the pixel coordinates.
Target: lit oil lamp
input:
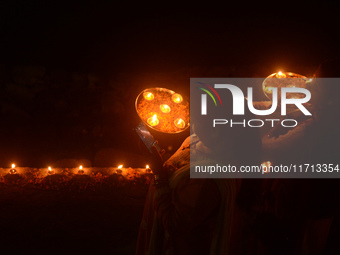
(50, 171)
(266, 166)
(179, 123)
(280, 75)
(13, 171)
(148, 96)
(119, 169)
(268, 90)
(153, 121)
(158, 108)
(283, 80)
(147, 169)
(165, 108)
(80, 171)
(177, 98)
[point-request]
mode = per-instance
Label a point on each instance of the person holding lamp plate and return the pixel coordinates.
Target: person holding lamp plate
(193, 216)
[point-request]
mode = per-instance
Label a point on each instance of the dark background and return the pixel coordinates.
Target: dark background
(70, 72)
(69, 76)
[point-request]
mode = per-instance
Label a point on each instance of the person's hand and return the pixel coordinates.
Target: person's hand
(156, 162)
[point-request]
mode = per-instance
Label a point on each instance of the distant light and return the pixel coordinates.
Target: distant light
(120, 166)
(13, 165)
(80, 167)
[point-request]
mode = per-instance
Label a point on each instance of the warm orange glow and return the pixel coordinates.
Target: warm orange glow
(147, 167)
(268, 90)
(284, 80)
(13, 165)
(161, 112)
(265, 166)
(177, 98)
(280, 75)
(180, 123)
(120, 166)
(148, 95)
(153, 121)
(80, 167)
(165, 108)
(50, 170)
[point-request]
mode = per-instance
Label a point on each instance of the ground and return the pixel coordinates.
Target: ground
(71, 214)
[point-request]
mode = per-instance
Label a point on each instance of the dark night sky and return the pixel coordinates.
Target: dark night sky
(132, 37)
(142, 42)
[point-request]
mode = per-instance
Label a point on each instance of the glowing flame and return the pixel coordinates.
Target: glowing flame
(80, 167)
(180, 123)
(280, 75)
(120, 166)
(161, 112)
(265, 166)
(13, 165)
(148, 96)
(268, 90)
(165, 108)
(177, 98)
(284, 80)
(153, 121)
(147, 167)
(50, 170)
